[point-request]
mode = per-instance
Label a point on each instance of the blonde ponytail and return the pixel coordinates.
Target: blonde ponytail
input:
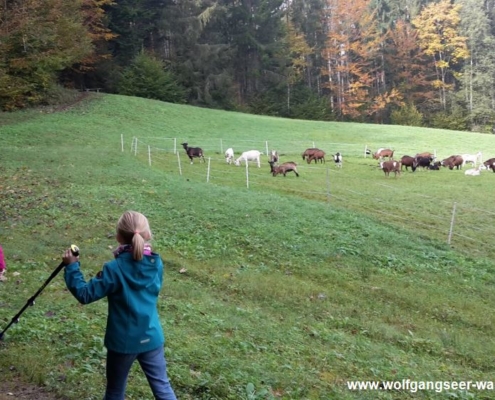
(134, 229)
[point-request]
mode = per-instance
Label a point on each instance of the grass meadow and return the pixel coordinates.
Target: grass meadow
(275, 287)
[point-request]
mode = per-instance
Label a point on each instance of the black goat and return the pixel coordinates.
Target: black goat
(194, 152)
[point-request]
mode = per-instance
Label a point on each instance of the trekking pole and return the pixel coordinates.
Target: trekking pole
(75, 251)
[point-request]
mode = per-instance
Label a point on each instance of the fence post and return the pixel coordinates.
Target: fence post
(175, 145)
(247, 175)
(122, 142)
(135, 145)
(266, 146)
(328, 184)
(451, 224)
(178, 161)
(208, 170)
(149, 155)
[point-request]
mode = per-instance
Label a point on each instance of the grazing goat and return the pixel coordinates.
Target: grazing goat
(274, 156)
(407, 161)
(193, 152)
(308, 152)
(317, 155)
(229, 155)
(337, 158)
(251, 155)
(283, 168)
(390, 166)
(473, 171)
(382, 153)
(453, 161)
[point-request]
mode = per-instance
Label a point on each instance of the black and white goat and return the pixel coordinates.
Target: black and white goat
(194, 152)
(337, 157)
(283, 168)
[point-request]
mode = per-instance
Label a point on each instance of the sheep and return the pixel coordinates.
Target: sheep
(283, 168)
(251, 155)
(229, 155)
(193, 152)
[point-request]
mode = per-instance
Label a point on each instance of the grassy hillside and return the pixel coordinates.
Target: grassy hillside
(287, 289)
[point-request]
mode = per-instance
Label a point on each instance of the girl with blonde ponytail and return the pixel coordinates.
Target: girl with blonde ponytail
(131, 282)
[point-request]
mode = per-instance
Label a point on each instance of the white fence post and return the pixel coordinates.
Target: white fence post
(178, 161)
(247, 174)
(122, 141)
(208, 170)
(175, 145)
(328, 184)
(149, 155)
(135, 146)
(451, 224)
(266, 147)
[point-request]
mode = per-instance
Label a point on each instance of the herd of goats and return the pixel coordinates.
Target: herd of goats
(254, 155)
(427, 161)
(421, 160)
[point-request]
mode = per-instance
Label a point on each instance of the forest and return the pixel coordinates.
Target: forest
(405, 62)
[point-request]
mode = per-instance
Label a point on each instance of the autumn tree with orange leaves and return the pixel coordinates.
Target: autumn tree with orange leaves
(407, 66)
(438, 36)
(354, 62)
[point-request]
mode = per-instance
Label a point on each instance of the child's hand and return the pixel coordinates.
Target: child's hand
(69, 258)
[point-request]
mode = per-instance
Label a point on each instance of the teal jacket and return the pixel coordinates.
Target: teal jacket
(132, 288)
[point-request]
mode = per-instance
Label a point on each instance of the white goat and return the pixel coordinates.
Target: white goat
(251, 155)
(229, 155)
(473, 171)
(471, 158)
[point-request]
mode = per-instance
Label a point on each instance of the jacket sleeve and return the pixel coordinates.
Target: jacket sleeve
(95, 289)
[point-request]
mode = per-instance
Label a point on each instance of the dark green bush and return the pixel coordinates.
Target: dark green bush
(147, 77)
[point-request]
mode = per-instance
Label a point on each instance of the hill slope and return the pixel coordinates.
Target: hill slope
(271, 291)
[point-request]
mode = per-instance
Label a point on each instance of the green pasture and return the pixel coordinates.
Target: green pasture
(275, 287)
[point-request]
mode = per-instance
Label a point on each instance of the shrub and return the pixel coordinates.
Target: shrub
(449, 120)
(407, 115)
(147, 77)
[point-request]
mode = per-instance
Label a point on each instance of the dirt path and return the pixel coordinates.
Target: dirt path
(15, 389)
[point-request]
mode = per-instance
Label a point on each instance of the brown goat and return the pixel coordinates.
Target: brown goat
(382, 153)
(426, 154)
(317, 155)
(308, 152)
(454, 161)
(390, 166)
(283, 168)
